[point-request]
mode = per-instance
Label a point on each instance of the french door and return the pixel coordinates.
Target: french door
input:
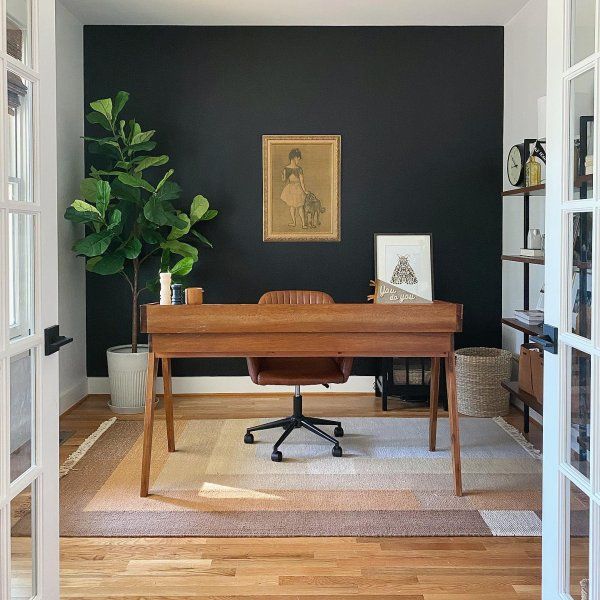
(571, 509)
(28, 302)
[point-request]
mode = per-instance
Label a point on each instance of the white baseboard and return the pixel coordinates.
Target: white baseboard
(239, 385)
(72, 396)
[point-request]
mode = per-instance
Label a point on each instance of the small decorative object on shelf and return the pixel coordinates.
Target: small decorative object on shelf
(534, 239)
(515, 163)
(194, 295)
(165, 288)
(533, 172)
(530, 317)
(177, 293)
(531, 370)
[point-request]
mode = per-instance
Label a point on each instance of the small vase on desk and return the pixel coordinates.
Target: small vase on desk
(165, 288)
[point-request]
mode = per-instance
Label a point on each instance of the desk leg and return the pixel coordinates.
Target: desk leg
(148, 423)
(168, 400)
(453, 413)
(434, 389)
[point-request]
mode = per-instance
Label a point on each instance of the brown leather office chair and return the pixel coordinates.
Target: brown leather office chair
(297, 372)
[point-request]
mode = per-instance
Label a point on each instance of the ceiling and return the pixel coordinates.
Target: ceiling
(303, 12)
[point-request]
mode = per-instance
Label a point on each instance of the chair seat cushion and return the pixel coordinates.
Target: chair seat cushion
(299, 371)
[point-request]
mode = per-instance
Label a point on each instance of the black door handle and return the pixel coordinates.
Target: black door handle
(53, 342)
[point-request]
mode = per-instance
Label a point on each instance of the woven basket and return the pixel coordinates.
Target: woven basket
(479, 372)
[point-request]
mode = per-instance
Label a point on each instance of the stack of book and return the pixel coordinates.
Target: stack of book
(530, 317)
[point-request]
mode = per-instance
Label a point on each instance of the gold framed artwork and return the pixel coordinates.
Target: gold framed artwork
(301, 188)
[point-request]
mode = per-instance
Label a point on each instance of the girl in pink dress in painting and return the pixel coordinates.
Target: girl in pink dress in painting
(294, 192)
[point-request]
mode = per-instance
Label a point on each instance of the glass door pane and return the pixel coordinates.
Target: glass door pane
(579, 411)
(22, 545)
(580, 292)
(583, 18)
(19, 138)
(582, 135)
(18, 27)
(22, 413)
(578, 583)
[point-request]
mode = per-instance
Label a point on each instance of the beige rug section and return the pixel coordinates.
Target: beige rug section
(387, 482)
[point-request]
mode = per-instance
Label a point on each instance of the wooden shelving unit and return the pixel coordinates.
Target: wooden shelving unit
(526, 192)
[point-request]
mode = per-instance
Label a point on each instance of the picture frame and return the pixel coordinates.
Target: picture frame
(301, 188)
(405, 262)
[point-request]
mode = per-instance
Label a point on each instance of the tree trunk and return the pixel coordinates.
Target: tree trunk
(134, 307)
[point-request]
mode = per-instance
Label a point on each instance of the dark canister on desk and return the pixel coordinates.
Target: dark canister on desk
(177, 293)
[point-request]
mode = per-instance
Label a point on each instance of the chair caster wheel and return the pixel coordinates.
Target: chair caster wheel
(248, 439)
(276, 456)
(336, 451)
(338, 432)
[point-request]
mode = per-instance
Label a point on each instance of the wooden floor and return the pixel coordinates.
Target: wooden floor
(332, 568)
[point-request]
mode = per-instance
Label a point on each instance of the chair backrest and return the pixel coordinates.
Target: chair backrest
(296, 297)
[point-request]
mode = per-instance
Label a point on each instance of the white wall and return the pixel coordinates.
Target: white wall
(70, 119)
(524, 83)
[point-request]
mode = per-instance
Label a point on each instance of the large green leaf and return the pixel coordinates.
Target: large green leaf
(181, 248)
(132, 248)
(125, 192)
(115, 218)
(140, 137)
(209, 214)
(182, 267)
(164, 179)
(151, 161)
(169, 191)
(77, 216)
(98, 119)
(102, 196)
(104, 107)
(159, 212)
(152, 236)
(201, 238)
(120, 101)
(88, 189)
(176, 232)
(136, 182)
(198, 209)
(94, 244)
(106, 265)
(81, 206)
(146, 146)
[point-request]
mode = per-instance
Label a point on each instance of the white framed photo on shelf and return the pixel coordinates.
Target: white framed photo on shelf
(404, 261)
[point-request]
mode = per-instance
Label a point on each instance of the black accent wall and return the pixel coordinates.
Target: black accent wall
(419, 110)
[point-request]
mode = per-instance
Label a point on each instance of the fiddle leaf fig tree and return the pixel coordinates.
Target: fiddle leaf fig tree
(128, 206)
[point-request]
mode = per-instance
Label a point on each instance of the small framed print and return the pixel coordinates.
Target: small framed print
(301, 188)
(404, 261)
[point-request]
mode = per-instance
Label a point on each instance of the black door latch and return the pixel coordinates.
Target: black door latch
(548, 340)
(53, 342)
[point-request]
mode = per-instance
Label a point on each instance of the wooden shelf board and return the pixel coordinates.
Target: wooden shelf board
(532, 190)
(523, 327)
(524, 397)
(534, 260)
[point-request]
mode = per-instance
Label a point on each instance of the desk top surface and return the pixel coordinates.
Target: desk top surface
(434, 317)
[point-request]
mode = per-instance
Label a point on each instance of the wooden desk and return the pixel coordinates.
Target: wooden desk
(240, 330)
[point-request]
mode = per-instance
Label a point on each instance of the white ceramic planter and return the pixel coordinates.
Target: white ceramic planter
(127, 378)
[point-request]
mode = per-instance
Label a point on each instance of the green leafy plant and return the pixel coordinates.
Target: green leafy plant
(127, 218)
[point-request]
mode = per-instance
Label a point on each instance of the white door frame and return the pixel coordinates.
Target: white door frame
(558, 279)
(42, 75)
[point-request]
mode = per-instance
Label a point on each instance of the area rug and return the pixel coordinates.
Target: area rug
(386, 484)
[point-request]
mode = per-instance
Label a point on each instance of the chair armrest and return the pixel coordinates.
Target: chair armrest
(254, 367)
(345, 364)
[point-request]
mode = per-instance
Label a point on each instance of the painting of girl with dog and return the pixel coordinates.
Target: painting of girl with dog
(301, 188)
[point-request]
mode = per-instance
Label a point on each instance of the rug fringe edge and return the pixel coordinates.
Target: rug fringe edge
(83, 448)
(516, 435)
